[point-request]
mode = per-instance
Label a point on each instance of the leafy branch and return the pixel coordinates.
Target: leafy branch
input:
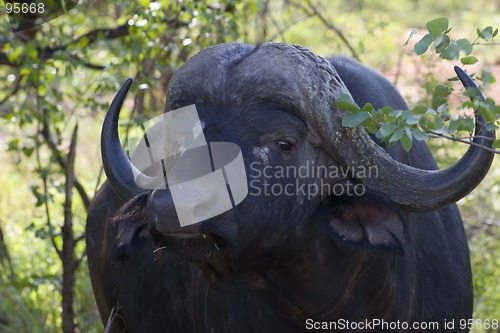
(424, 122)
(447, 48)
(420, 123)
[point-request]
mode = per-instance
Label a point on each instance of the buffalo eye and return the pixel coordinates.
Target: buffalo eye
(284, 145)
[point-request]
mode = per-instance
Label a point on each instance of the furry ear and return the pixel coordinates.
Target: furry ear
(131, 221)
(368, 220)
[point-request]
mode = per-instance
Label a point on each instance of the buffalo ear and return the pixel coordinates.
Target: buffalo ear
(131, 222)
(368, 220)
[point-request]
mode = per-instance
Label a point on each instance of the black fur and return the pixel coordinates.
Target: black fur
(273, 262)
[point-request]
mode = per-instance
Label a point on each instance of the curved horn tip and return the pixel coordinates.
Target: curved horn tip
(467, 81)
(129, 81)
(126, 85)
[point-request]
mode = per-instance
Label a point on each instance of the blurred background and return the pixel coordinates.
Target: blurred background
(65, 72)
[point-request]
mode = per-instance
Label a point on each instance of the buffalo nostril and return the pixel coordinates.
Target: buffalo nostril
(162, 212)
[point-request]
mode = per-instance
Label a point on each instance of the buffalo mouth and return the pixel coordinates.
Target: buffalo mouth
(207, 251)
(198, 242)
(190, 243)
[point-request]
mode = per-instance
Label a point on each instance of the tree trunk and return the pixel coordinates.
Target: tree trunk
(69, 261)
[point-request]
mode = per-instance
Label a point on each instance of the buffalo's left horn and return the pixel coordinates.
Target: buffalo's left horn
(412, 188)
(122, 174)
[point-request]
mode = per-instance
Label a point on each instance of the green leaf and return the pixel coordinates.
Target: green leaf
(432, 112)
(492, 127)
(410, 118)
(347, 103)
(385, 130)
(466, 124)
(368, 108)
(406, 142)
(468, 60)
(437, 26)
(496, 110)
(496, 144)
(13, 145)
(412, 33)
(42, 90)
(396, 136)
(82, 43)
(438, 125)
(472, 92)
(451, 52)
(419, 109)
(28, 151)
(441, 43)
(487, 77)
(422, 45)
(347, 106)
(486, 33)
(487, 114)
(395, 113)
(420, 135)
(464, 45)
(440, 95)
(453, 125)
(354, 119)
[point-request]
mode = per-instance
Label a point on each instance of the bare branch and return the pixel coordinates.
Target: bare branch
(282, 30)
(43, 175)
(486, 44)
(467, 140)
(49, 52)
(63, 163)
(315, 12)
(14, 90)
(70, 178)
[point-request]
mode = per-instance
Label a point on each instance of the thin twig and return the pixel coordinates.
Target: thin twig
(328, 24)
(486, 44)
(282, 30)
(159, 249)
(111, 318)
(48, 52)
(458, 139)
(399, 67)
(63, 163)
(14, 90)
(99, 176)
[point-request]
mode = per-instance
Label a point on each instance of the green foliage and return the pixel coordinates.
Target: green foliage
(423, 122)
(438, 33)
(61, 75)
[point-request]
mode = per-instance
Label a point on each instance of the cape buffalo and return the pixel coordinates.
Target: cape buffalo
(389, 256)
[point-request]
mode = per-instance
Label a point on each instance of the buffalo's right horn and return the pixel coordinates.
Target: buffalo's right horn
(122, 174)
